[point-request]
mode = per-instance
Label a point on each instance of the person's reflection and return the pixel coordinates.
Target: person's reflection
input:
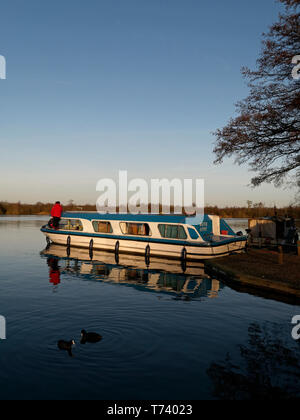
(54, 272)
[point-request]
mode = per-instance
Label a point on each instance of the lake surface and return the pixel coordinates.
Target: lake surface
(168, 332)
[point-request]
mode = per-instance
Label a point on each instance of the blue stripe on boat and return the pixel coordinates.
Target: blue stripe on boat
(181, 219)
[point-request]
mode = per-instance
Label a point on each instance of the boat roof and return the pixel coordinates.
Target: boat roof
(156, 218)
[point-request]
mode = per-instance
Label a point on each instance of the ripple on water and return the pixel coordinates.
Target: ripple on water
(124, 343)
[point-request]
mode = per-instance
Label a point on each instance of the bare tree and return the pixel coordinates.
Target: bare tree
(266, 132)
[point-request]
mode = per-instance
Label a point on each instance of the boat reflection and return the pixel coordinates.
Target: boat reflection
(183, 282)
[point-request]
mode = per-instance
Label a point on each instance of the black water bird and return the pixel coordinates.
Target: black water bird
(90, 337)
(67, 346)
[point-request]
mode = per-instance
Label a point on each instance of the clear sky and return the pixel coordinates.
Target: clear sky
(100, 86)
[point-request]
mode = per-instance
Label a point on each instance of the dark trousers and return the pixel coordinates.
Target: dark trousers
(56, 221)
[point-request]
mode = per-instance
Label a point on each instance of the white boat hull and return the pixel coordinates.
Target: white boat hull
(160, 249)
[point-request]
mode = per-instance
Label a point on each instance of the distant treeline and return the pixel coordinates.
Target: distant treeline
(20, 209)
(252, 210)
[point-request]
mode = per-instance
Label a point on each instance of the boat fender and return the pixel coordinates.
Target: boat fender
(117, 248)
(184, 254)
(69, 241)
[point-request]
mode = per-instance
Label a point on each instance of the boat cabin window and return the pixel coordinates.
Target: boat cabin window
(102, 227)
(193, 234)
(138, 229)
(172, 231)
(70, 224)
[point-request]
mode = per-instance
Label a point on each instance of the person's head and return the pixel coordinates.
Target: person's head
(58, 202)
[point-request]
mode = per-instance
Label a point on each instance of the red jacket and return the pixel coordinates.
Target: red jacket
(56, 211)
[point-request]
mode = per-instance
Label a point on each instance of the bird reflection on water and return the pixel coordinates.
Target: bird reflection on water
(184, 283)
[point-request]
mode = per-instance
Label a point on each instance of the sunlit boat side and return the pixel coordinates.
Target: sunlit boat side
(168, 236)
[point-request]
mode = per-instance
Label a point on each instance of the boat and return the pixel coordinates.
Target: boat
(168, 236)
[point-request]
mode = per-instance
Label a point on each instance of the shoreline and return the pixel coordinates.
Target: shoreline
(260, 271)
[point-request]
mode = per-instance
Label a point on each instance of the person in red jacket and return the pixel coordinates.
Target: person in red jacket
(56, 213)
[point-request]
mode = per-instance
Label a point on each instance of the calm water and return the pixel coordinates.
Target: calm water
(167, 334)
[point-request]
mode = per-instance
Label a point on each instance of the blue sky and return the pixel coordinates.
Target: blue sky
(105, 85)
